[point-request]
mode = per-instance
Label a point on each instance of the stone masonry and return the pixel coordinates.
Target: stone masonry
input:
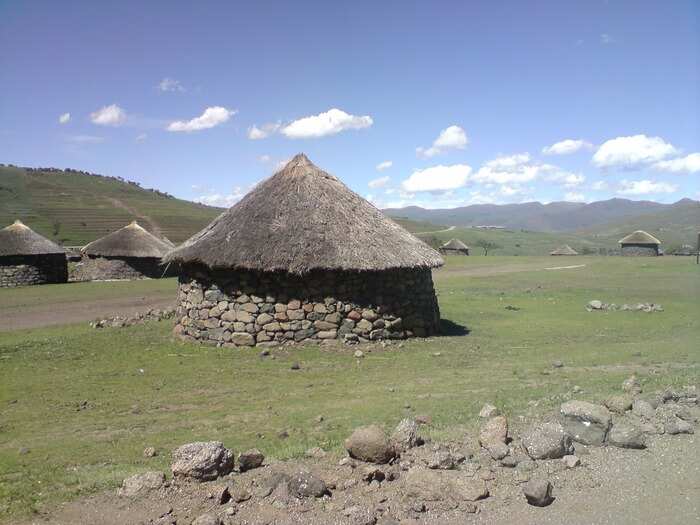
(639, 250)
(247, 308)
(25, 270)
(108, 268)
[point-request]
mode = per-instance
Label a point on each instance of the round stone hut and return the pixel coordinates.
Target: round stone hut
(27, 258)
(639, 244)
(564, 250)
(128, 253)
(303, 257)
(454, 247)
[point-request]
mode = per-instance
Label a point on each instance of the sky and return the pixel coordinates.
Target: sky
(429, 103)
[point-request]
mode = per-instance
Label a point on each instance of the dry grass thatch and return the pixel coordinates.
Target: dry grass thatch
(564, 250)
(18, 239)
(454, 244)
(302, 219)
(639, 237)
(129, 241)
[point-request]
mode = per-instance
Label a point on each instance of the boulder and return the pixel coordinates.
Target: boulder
(547, 441)
(619, 404)
(370, 444)
(202, 461)
(595, 305)
(140, 484)
(625, 435)
(585, 422)
(493, 431)
(207, 519)
(405, 435)
(632, 386)
(250, 459)
(439, 485)
(571, 461)
(643, 409)
(676, 425)
(488, 411)
(303, 484)
(497, 451)
(538, 492)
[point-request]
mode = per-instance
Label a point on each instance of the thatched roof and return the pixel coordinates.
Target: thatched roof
(18, 239)
(302, 219)
(564, 250)
(454, 244)
(130, 241)
(639, 237)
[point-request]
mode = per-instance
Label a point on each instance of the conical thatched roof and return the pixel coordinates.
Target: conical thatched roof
(639, 237)
(18, 239)
(454, 244)
(130, 241)
(564, 250)
(301, 219)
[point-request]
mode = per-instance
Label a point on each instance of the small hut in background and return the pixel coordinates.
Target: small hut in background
(454, 247)
(564, 250)
(640, 244)
(304, 257)
(27, 258)
(128, 253)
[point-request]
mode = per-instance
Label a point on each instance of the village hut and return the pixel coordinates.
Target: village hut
(304, 257)
(564, 250)
(128, 253)
(454, 247)
(27, 258)
(640, 244)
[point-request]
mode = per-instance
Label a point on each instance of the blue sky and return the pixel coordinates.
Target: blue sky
(438, 104)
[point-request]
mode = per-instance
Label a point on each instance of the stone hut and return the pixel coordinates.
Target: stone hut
(454, 247)
(564, 250)
(27, 258)
(303, 257)
(639, 244)
(128, 253)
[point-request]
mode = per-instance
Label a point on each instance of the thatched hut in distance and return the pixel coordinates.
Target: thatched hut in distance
(304, 257)
(27, 258)
(128, 253)
(639, 244)
(454, 247)
(564, 250)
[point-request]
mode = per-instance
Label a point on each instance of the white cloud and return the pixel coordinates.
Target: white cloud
(224, 200)
(438, 178)
(264, 159)
(384, 165)
(211, 117)
(566, 147)
(568, 179)
(452, 137)
(111, 115)
(379, 183)
(606, 39)
(329, 123)
(632, 151)
(141, 137)
(511, 191)
(599, 185)
(85, 139)
(645, 187)
(262, 132)
(511, 169)
(573, 196)
(170, 84)
(687, 164)
(63, 119)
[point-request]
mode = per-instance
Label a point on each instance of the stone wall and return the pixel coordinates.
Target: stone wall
(124, 268)
(452, 251)
(245, 308)
(18, 270)
(640, 250)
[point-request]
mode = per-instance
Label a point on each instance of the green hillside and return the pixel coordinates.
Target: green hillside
(74, 208)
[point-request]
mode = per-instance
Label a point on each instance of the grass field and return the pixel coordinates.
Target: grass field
(86, 402)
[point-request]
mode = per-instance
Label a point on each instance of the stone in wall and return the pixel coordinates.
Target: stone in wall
(639, 250)
(122, 268)
(30, 270)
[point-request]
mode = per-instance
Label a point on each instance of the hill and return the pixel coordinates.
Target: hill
(75, 207)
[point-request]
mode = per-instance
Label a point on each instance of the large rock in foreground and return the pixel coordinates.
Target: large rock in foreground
(370, 444)
(585, 422)
(538, 492)
(202, 461)
(140, 484)
(439, 485)
(547, 441)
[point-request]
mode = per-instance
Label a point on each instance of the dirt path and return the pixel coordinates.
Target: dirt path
(152, 226)
(437, 231)
(494, 269)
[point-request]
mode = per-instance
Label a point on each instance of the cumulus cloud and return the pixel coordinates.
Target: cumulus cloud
(331, 122)
(141, 137)
(687, 164)
(111, 115)
(379, 183)
(264, 159)
(568, 179)
(573, 196)
(452, 137)
(262, 132)
(64, 119)
(645, 187)
(599, 185)
(384, 165)
(211, 117)
(566, 147)
(85, 139)
(606, 39)
(170, 84)
(510, 169)
(632, 151)
(438, 178)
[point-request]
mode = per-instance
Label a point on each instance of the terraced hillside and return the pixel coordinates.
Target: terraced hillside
(74, 208)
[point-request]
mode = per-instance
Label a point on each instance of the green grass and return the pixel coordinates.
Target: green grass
(143, 389)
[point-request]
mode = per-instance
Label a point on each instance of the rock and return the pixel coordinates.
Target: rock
(643, 409)
(632, 386)
(493, 431)
(557, 364)
(439, 485)
(140, 484)
(547, 441)
(423, 419)
(207, 519)
(221, 494)
(370, 444)
(149, 452)
(676, 425)
(441, 459)
(538, 492)
(242, 339)
(295, 366)
(202, 461)
(595, 305)
(619, 404)
(624, 435)
(571, 461)
(405, 435)
(489, 411)
(585, 422)
(303, 484)
(509, 461)
(250, 459)
(359, 354)
(497, 451)
(316, 453)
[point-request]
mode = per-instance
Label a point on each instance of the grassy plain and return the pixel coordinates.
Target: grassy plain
(86, 402)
